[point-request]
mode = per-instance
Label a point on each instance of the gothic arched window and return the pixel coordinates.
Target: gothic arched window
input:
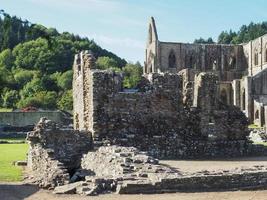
(256, 57)
(224, 96)
(172, 60)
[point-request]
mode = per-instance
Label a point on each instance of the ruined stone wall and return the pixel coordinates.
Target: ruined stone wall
(159, 119)
(256, 54)
(54, 152)
(121, 113)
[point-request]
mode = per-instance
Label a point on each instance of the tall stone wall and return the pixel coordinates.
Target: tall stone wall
(156, 117)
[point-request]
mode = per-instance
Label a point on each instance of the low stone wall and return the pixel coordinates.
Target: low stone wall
(126, 170)
(55, 152)
(237, 181)
(29, 118)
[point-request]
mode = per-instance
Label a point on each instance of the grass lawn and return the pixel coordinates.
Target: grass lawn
(5, 109)
(8, 154)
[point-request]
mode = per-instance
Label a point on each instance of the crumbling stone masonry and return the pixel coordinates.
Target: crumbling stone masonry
(155, 118)
(126, 170)
(55, 153)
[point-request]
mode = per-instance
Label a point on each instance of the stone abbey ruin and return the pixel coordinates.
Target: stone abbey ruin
(194, 101)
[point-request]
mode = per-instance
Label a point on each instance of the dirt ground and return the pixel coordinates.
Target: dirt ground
(192, 166)
(18, 191)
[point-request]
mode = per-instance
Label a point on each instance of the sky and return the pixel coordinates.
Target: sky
(121, 26)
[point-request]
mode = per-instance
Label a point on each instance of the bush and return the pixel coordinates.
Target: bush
(132, 75)
(10, 99)
(66, 101)
(23, 76)
(65, 80)
(106, 63)
(43, 99)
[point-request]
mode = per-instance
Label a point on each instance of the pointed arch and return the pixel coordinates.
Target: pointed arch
(172, 60)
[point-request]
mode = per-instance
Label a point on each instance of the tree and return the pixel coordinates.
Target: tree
(34, 55)
(32, 88)
(23, 76)
(106, 62)
(132, 75)
(6, 59)
(42, 99)
(66, 101)
(203, 41)
(10, 99)
(65, 80)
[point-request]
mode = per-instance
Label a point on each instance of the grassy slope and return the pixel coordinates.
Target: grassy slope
(8, 154)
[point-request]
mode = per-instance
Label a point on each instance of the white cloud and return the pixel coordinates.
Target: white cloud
(115, 41)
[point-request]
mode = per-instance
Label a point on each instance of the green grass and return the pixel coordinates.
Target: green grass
(8, 154)
(5, 109)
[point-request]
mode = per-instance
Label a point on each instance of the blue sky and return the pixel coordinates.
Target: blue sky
(121, 25)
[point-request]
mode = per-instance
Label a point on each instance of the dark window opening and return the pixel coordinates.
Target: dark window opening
(224, 96)
(257, 114)
(172, 60)
(256, 58)
(243, 100)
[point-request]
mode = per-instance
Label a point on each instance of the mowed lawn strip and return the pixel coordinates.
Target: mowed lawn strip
(8, 154)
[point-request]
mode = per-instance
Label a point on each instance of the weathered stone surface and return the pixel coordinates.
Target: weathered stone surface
(117, 161)
(67, 189)
(126, 170)
(54, 152)
(21, 163)
(158, 119)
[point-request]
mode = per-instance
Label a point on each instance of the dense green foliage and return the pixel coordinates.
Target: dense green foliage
(36, 64)
(203, 41)
(243, 35)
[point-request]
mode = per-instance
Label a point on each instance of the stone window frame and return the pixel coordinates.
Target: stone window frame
(256, 57)
(172, 59)
(265, 53)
